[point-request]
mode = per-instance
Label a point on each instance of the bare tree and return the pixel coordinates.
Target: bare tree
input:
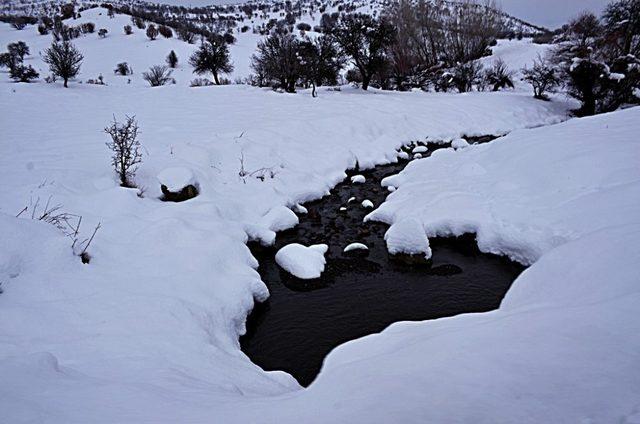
(126, 149)
(64, 60)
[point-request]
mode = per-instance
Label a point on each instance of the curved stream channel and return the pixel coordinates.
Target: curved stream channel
(302, 320)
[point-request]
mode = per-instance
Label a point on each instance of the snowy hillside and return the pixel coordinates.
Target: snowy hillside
(309, 11)
(148, 330)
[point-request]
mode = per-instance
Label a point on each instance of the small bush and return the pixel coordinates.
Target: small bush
(186, 36)
(7, 60)
(128, 30)
(498, 76)
(302, 26)
(138, 22)
(152, 32)
(158, 75)
(96, 81)
(172, 59)
(200, 82)
(18, 49)
(165, 31)
(466, 75)
(122, 69)
(102, 33)
(88, 27)
(21, 73)
(42, 29)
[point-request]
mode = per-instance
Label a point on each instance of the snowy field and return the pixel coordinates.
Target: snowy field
(148, 331)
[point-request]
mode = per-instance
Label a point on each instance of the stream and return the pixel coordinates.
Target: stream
(357, 295)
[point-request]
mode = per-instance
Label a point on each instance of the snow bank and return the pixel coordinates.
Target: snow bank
(407, 236)
(302, 261)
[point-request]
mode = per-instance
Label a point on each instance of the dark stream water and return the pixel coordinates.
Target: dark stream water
(303, 320)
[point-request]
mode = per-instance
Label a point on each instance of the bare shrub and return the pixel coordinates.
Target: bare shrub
(158, 75)
(543, 77)
(128, 30)
(126, 149)
(67, 223)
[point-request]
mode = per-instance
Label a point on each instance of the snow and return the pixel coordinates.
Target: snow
(420, 149)
(355, 246)
(459, 143)
(176, 178)
(417, 156)
(302, 261)
(403, 155)
(358, 179)
(300, 209)
(407, 236)
(148, 331)
(351, 199)
(616, 77)
(279, 218)
(367, 204)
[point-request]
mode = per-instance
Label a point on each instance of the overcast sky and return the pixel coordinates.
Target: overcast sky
(548, 13)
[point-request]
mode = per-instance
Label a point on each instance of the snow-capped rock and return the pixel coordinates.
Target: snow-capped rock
(358, 179)
(355, 246)
(459, 143)
(305, 262)
(176, 178)
(300, 209)
(420, 149)
(367, 204)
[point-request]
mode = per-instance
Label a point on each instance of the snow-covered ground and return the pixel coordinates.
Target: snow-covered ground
(148, 331)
